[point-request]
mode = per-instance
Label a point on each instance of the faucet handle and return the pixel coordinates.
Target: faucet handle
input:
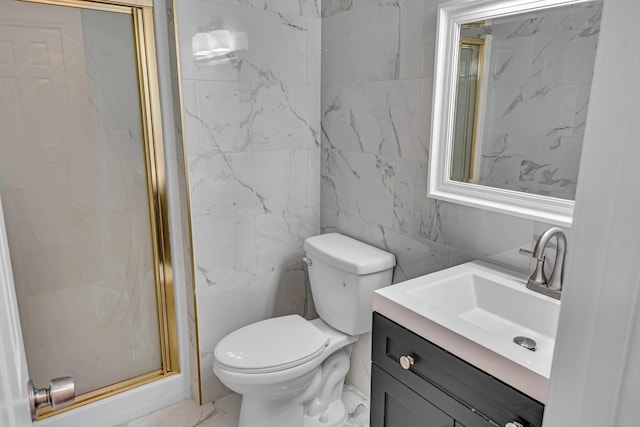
(527, 252)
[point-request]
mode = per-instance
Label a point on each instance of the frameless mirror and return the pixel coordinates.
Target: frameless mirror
(511, 94)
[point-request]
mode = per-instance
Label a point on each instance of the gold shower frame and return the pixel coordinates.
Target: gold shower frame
(141, 12)
(466, 43)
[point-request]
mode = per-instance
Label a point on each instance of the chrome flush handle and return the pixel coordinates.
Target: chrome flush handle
(59, 394)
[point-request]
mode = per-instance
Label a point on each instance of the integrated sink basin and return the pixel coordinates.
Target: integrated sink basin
(475, 310)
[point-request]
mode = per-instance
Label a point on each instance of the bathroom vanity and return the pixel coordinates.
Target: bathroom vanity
(444, 351)
(416, 383)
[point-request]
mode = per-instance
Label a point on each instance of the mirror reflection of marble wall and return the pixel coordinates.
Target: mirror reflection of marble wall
(539, 79)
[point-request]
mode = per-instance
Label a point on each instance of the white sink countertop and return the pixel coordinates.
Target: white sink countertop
(474, 311)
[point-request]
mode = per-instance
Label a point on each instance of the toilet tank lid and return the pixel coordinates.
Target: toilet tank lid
(347, 254)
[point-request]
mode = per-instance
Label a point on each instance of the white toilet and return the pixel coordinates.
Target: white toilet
(290, 371)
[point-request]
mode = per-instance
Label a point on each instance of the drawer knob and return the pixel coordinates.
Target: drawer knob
(407, 361)
(513, 424)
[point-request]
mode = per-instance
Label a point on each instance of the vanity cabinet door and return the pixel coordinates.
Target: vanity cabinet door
(395, 405)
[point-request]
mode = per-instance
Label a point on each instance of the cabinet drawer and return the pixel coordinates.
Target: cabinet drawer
(428, 404)
(395, 405)
(436, 369)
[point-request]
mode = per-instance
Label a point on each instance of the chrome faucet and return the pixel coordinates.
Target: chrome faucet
(538, 281)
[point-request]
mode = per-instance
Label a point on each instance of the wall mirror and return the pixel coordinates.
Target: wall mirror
(511, 94)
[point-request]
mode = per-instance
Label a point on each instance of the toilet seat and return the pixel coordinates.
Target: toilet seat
(271, 345)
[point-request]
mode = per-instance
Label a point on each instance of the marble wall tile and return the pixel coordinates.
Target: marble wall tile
(313, 177)
(385, 118)
(190, 130)
(223, 115)
(314, 52)
(407, 180)
(310, 8)
(416, 256)
(362, 44)
(252, 130)
(226, 185)
(291, 294)
(417, 39)
(225, 250)
(276, 48)
(374, 188)
(232, 117)
(217, 193)
(363, 184)
(285, 117)
(333, 7)
(279, 238)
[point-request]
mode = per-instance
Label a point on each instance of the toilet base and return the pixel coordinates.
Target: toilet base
(334, 416)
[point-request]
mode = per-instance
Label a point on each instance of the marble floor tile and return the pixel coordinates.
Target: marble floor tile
(357, 407)
(183, 414)
(226, 411)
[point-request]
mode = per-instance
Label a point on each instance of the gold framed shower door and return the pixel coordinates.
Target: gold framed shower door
(141, 12)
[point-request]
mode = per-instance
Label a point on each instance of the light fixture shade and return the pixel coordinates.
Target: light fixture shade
(216, 42)
(221, 41)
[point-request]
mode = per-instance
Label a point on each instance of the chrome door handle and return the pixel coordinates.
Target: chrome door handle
(513, 424)
(59, 394)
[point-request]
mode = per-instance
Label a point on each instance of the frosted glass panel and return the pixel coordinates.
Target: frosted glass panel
(74, 187)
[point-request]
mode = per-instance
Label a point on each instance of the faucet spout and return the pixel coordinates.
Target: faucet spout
(538, 281)
(557, 276)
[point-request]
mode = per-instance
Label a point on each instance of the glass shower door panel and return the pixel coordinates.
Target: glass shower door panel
(73, 179)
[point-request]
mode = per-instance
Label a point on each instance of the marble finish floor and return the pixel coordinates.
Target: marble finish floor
(225, 412)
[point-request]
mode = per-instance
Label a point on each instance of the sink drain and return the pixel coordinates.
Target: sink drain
(525, 342)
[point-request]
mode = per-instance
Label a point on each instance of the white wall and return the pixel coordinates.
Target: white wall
(595, 380)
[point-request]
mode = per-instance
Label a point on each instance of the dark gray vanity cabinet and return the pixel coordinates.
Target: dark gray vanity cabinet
(438, 389)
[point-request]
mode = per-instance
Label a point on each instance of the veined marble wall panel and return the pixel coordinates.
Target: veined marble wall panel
(252, 132)
(309, 8)
(377, 70)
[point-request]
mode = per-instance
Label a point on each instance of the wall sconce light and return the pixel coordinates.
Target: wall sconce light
(210, 44)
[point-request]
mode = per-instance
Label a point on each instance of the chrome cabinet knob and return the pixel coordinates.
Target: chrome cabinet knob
(406, 362)
(59, 394)
(513, 424)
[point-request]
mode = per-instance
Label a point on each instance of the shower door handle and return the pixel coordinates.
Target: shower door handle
(60, 393)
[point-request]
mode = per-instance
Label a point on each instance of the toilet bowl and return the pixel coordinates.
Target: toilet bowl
(291, 371)
(285, 376)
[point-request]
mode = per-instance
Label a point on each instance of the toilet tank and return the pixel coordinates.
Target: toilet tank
(343, 274)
